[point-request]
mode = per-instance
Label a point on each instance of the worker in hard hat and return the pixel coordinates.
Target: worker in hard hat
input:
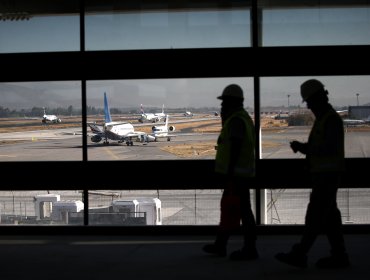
(325, 161)
(235, 168)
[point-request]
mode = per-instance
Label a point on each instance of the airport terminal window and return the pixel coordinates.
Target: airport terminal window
(29, 26)
(345, 24)
(168, 25)
(163, 207)
(191, 106)
(40, 121)
(285, 118)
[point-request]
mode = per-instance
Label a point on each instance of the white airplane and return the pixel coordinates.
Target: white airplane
(161, 131)
(50, 118)
(342, 112)
(188, 114)
(150, 117)
(117, 131)
(355, 122)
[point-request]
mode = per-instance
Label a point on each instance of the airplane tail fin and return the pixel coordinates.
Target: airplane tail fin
(167, 117)
(142, 109)
(107, 115)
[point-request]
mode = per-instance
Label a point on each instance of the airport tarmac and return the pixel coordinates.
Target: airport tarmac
(66, 144)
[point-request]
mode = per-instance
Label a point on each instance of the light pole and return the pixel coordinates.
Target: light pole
(357, 94)
(288, 95)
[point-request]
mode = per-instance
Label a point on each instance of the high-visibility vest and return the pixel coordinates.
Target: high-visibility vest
(245, 166)
(319, 160)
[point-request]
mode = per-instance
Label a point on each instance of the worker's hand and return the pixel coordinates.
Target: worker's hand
(296, 146)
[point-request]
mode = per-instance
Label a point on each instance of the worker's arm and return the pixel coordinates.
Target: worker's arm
(299, 147)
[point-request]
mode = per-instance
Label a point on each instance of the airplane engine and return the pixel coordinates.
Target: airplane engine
(146, 138)
(150, 138)
(171, 128)
(96, 138)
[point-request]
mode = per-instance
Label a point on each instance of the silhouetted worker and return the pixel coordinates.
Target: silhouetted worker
(325, 158)
(235, 165)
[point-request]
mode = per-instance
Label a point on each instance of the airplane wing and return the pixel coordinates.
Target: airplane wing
(153, 137)
(96, 129)
(129, 137)
(98, 132)
(136, 134)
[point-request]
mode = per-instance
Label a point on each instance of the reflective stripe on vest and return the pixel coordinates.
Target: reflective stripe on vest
(318, 160)
(245, 165)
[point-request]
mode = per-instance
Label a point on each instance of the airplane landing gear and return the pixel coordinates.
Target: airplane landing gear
(129, 143)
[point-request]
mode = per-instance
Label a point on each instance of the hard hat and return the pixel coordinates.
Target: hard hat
(311, 87)
(232, 91)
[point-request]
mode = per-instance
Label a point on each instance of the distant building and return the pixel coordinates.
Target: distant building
(359, 112)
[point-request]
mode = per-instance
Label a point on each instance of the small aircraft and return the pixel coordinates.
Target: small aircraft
(50, 118)
(188, 114)
(117, 131)
(356, 122)
(161, 131)
(150, 117)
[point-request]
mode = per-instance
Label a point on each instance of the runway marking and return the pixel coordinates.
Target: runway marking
(113, 155)
(9, 156)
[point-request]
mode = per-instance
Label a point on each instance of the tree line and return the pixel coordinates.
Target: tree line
(59, 111)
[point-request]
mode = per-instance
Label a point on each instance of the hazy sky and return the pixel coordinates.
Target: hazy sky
(178, 93)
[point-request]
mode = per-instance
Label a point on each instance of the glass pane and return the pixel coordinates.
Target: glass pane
(160, 26)
(306, 26)
(156, 207)
(191, 106)
(288, 206)
(285, 118)
(34, 26)
(40, 121)
(40, 207)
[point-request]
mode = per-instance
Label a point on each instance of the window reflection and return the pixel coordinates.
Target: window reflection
(40, 33)
(316, 26)
(169, 29)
